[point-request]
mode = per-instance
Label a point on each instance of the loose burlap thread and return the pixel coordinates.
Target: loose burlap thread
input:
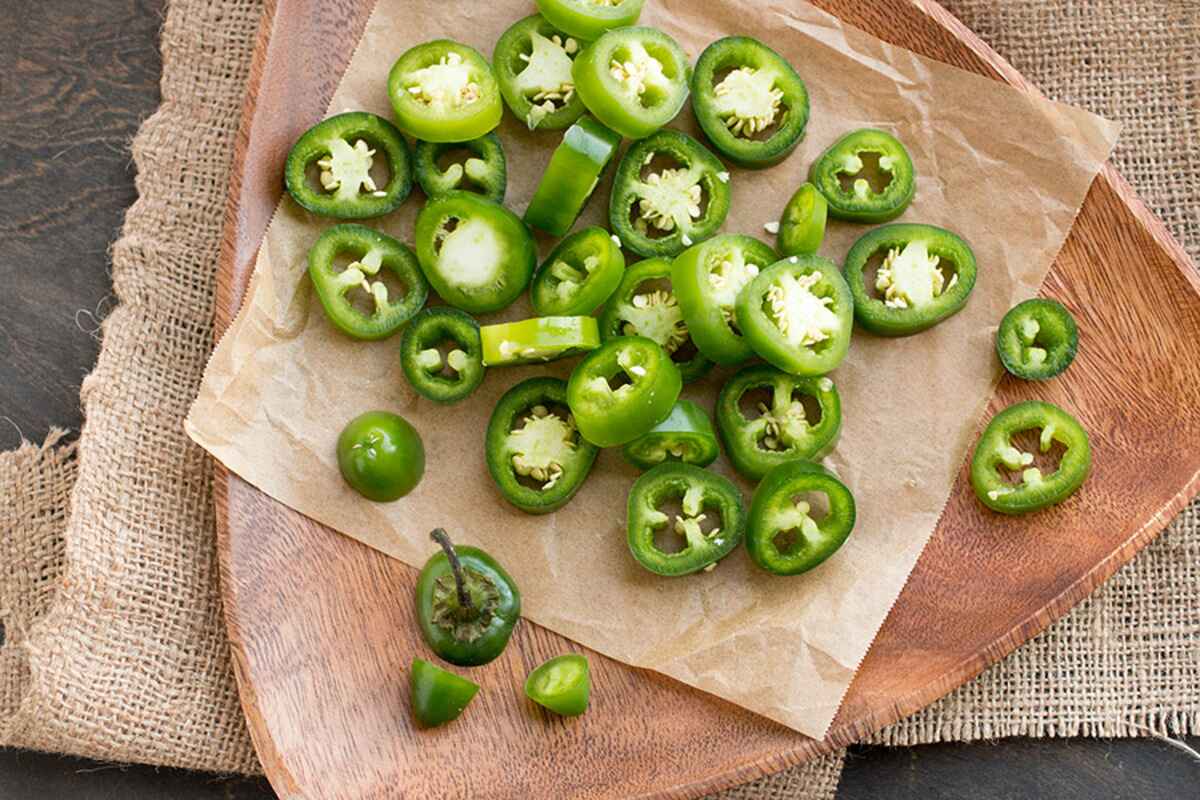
(114, 644)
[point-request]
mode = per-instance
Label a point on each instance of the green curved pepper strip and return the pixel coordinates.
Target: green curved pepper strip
(563, 684)
(484, 171)
(538, 340)
(579, 275)
(686, 435)
(838, 174)
(1037, 339)
(622, 390)
(802, 226)
(438, 696)
(569, 180)
(782, 536)
(449, 379)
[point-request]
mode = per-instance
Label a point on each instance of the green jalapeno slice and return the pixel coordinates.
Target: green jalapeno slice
(442, 378)
(1037, 339)
(533, 61)
(786, 534)
(569, 180)
(579, 274)
(686, 435)
(802, 226)
(476, 166)
(444, 91)
(587, 19)
(622, 390)
(867, 176)
(538, 340)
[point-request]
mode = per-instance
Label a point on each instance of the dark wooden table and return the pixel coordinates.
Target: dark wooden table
(76, 79)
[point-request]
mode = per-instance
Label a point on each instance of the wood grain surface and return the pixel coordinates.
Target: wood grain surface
(321, 625)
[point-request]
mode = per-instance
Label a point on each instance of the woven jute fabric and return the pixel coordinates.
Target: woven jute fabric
(114, 645)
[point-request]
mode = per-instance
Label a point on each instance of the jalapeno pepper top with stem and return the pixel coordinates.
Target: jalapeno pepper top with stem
(345, 149)
(786, 534)
(707, 279)
(443, 91)
(563, 684)
(798, 315)
(1006, 478)
(711, 519)
(756, 112)
(767, 417)
(867, 176)
(669, 193)
(438, 696)
(538, 340)
(357, 300)
(1037, 339)
(533, 61)
(467, 605)
(570, 178)
(587, 19)
(448, 378)
(477, 254)
(924, 275)
(483, 170)
(534, 453)
(622, 390)
(579, 274)
(634, 80)
(686, 435)
(802, 226)
(645, 305)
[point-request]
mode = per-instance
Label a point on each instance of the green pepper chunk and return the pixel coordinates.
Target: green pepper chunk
(443, 91)
(798, 314)
(1005, 477)
(381, 456)
(645, 305)
(438, 696)
(843, 176)
(755, 114)
(579, 274)
(1037, 339)
(569, 180)
(344, 149)
(476, 254)
(622, 390)
(701, 495)
(925, 275)
(707, 278)
(587, 19)
(467, 605)
(482, 169)
(563, 684)
(634, 80)
(375, 255)
(802, 226)
(783, 537)
(449, 378)
(534, 453)
(538, 340)
(686, 435)
(669, 193)
(533, 61)
(797, 418)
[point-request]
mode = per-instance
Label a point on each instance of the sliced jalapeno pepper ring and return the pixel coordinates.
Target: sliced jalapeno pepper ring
(569, 180)
(449, 378)
(794, 418)
(534, 452)
(346, 295)
(443, 91)
(538, 340)
(344, 149)
(756, 113)
(622, 390)
(483, 171)
(533, 61)
(645, 305)
(712, 518)
(670, 192)
(579, 274)
(784, 535)
(843, 174)
(686, 435)
(587, 19)
(1037, 339)
(1007, 479)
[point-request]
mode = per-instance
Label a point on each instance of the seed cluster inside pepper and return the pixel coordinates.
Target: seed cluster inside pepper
(782, 425)
(747, 100)
(1017, 460)
(669, 197)
(912, 277)
(546, 79)
(655, 314)
(346, 171)
(727, 278)
(802, 315)
(446, 84)
(689, 522)
(638, 72)
(541, 445)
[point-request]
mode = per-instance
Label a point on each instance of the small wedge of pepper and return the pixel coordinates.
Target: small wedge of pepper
(647, 384)
(782, 536)
(701, 495)
(533, 61)
(374, 254)
(587, 19)
(438, 696)
(645, 305)
(456, 376)
(707, 279)
(779, 429)
(344, 148)
(926, 276)
(563, 684)
(669, 193)
(569, 180)
(998, 461)
(538, 340)
(579, 274)
(534, 452)
(686, 435)
(841, 175)
(802, 226)
(1037, 339)
(467, 605)
(483, 171)
(444, 91)
(798, 314)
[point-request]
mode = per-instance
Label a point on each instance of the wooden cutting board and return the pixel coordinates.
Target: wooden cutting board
(322, 626)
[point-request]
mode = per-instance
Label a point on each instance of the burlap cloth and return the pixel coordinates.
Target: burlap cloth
(115, 647)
